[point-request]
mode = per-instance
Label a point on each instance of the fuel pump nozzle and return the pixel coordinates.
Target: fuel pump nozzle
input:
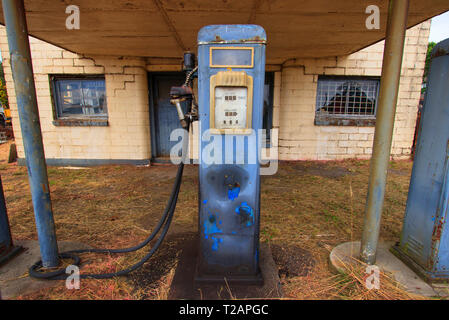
(184, 93)
(178, 95)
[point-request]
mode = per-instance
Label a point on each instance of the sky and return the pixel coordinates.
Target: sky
(439, 29)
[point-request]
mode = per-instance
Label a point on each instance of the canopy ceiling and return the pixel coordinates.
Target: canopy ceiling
(166, 28)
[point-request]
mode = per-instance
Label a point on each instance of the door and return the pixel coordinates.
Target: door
(164, 117)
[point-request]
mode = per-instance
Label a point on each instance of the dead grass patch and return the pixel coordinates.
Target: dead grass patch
(311, 205)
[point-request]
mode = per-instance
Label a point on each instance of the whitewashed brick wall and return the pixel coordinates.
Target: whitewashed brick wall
(128, 135)
(300, 139)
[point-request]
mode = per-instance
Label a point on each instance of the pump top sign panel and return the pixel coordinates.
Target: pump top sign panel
(231, 71)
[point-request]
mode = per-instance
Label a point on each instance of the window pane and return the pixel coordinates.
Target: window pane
(347, 97)
(70, 98)
(80, 98)
(94, 97)
(232, 57)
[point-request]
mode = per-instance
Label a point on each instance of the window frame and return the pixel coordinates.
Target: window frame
(346, 119)
(81, 120)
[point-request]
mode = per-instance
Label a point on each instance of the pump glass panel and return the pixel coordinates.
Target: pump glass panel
(231, 107)
(232, 57)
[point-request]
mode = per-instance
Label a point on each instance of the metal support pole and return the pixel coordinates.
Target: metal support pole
(388, 95)
(22, 71)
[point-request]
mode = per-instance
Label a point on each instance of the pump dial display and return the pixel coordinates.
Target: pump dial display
(231, 107)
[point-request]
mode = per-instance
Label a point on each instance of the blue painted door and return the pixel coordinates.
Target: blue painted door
(164, 115)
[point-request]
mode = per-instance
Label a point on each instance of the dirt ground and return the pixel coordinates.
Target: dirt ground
(307, 208)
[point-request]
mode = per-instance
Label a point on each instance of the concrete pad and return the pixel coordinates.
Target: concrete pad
(441, 289)
(349, 253)
(183, 285)
(14, 279)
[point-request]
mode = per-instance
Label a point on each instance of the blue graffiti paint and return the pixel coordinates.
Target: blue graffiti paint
(233, 193)
(245, 209)
(215, 244)
(210, 230)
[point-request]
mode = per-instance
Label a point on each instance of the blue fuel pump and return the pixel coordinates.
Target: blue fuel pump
(424, 244)
(231, 70)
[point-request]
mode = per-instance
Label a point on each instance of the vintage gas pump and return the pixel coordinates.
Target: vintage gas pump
(231, 69)
(231, 72)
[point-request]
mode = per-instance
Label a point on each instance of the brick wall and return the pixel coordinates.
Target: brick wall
(128, 135)
(299, 138)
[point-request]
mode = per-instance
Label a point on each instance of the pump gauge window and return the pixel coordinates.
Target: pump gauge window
(231, 107)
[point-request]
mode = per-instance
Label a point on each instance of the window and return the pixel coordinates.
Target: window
(79, 100)
(350, 101)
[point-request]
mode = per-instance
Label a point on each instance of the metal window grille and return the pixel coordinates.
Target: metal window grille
(347, 97)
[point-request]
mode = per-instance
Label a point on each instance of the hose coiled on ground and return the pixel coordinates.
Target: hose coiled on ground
(163, 223)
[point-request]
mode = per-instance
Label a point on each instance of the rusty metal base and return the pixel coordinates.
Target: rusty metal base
(256, 280)
(9, 254)
(429, 277)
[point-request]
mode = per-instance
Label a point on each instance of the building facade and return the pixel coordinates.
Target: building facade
(115, 109)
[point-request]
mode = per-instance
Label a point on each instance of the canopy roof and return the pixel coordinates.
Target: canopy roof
(166, 28)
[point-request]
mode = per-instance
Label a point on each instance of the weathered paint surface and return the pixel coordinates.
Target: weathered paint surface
(230, 192)
(246, 214)
(14, 13)
(211, 230)
(386, 111)
(425, 235)
(233, 193)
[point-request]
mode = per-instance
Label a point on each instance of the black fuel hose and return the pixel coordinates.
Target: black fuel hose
(164, 222)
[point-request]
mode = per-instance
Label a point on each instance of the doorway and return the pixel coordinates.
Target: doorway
(164, 117)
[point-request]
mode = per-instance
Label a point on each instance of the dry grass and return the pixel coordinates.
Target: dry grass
(319, 205)
(313, 205)
(349, 284)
